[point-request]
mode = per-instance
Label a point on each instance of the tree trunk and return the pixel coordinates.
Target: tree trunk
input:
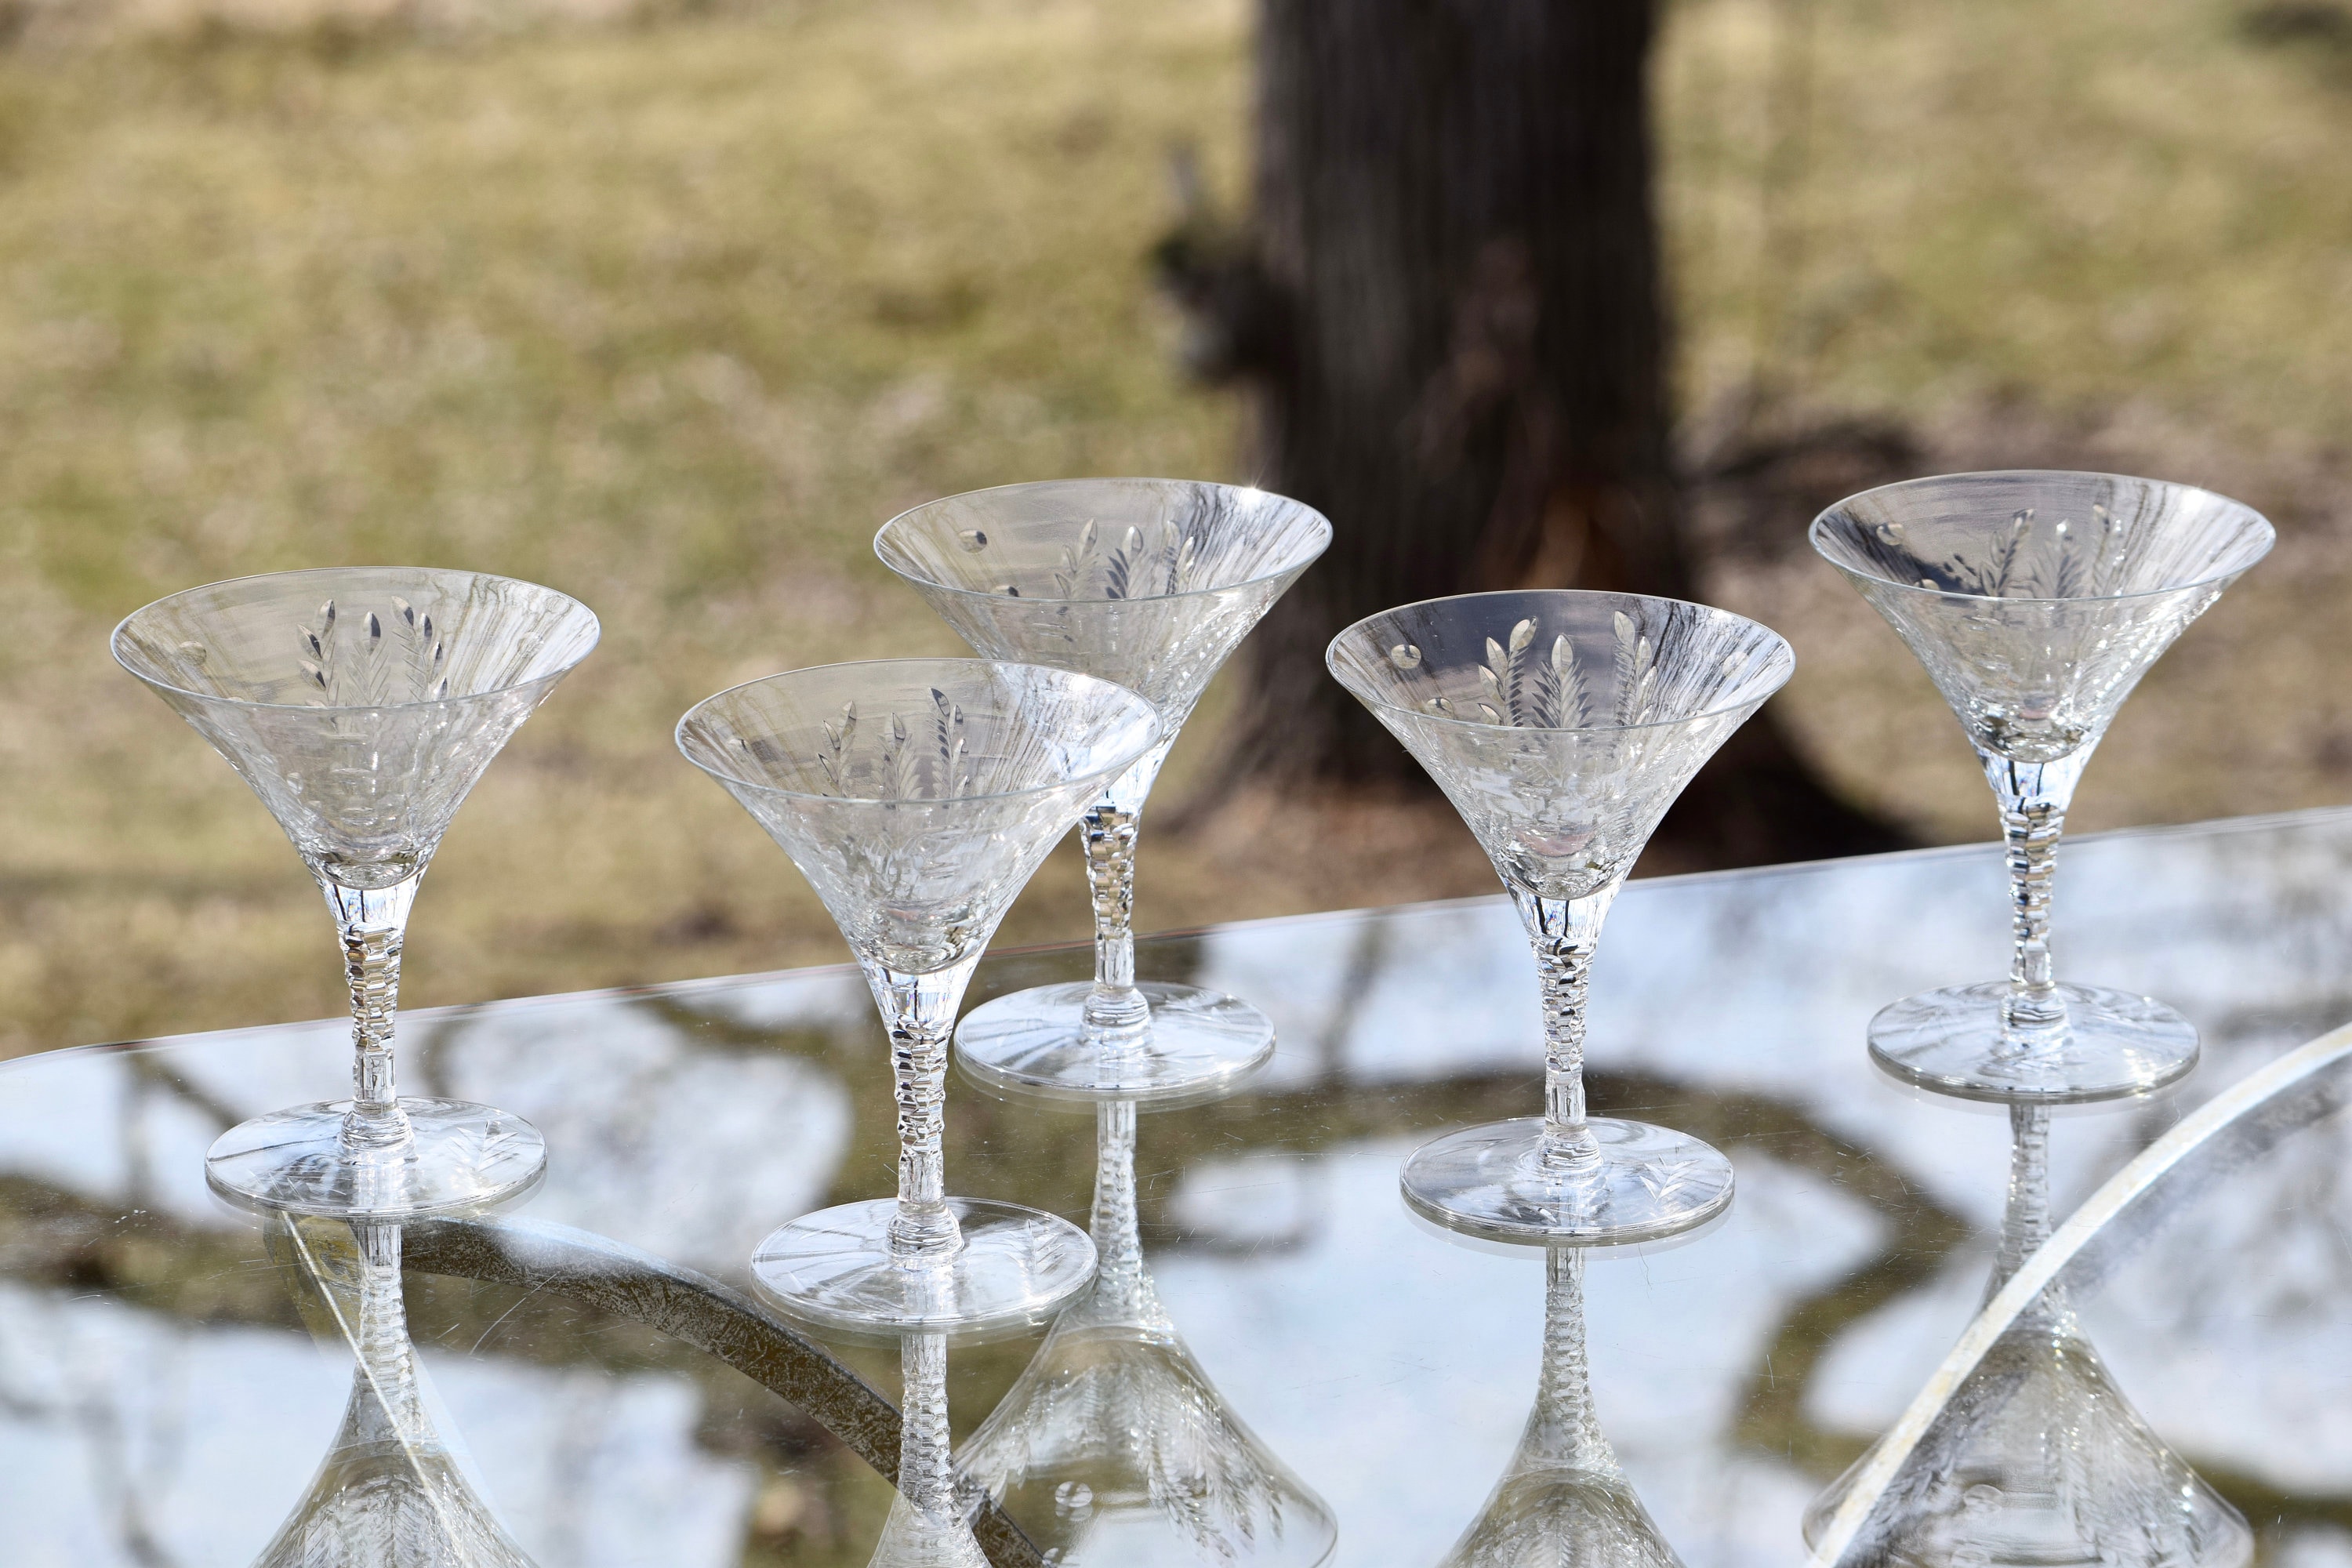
(1449, 313)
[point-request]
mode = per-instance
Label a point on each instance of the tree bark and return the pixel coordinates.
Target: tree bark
(1448, 310)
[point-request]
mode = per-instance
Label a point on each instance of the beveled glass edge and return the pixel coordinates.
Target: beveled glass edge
(2234, 1109)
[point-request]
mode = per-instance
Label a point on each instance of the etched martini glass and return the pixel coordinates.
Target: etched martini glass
(361, 703)
(2037, 600)
(917, 796)
(1561, 724)
(1151, 583)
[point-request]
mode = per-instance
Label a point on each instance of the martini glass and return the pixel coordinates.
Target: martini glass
(389, 1493)
(2037, 1460)
(1114, 1449)
(1151, 583)
(1564, 1501)
(2037, 600)
(361, 703)
(917, 796)
(1561, 724)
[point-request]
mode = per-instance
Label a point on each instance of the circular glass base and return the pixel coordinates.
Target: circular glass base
(458, 1157)
(1956, 1041)
(1491, 1182)
(835, 1269)
(1201, 1044)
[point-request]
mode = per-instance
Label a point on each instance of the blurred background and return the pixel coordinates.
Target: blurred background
(670, 304)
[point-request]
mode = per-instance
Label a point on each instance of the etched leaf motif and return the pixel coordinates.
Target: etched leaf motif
(1633, 660)
(374, 664)
(1533, 686)
(953, 777)
(834, 759)
(1574, 711)
(1077, 562)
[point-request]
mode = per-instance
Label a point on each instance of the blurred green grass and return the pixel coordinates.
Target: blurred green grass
(670, 313)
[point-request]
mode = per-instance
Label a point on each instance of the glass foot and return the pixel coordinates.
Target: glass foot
(1201, 1044)
(1954, 1041)
(1490, 1181)
(460, 1157)
(835, 1269)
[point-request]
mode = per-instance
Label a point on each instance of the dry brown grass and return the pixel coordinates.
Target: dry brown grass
(671, 313)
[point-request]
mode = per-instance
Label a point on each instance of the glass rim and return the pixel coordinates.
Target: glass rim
(1814, 533)
(1151, 712)
(114, 641)
(1786, 657)
(911, 575)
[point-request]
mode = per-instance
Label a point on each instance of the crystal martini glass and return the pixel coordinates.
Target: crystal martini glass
(1561, 724)
(917, 796)
(361, 703)
(1151, 583)
(2037, 600)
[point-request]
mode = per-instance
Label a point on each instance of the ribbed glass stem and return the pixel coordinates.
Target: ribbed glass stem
(919, 1011)
(1564, 932)
(2025, 1223)
(926, 1475)
(1118, 1235)
(2033, 797)
(1117, 1015)
(386, 1356)
(371, 924)
(1563, 1428)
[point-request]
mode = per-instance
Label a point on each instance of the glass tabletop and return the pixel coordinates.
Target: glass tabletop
(592, 1370)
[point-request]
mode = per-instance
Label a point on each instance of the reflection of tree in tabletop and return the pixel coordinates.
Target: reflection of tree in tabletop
(2037, 1460)
(1114, 1449)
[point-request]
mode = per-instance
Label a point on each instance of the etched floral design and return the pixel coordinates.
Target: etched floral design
(2036, 601)
(896, 767)
(373, 662)
(1560, 725)
(1151, 559)
(916, 795)
(1148, 583)
(363, 729)
(1521, 686)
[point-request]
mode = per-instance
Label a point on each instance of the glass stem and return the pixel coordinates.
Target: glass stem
(1117, 1015)
(386, 1359)
(1563, 1430)
(2033, 797)
(926, 1475)
(2025, 1224)
(1117, 1236)
(1564, 932)
(371, 923)
(919, 1012)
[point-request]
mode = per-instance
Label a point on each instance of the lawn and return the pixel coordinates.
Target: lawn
(671, 310)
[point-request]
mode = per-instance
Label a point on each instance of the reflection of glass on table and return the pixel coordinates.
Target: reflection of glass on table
(159, 1395)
